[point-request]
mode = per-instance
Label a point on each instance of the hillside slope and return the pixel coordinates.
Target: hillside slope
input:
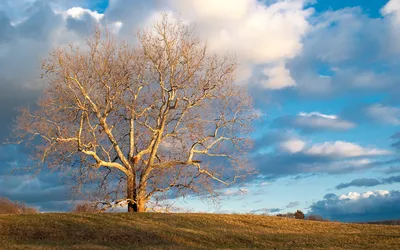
(187, 231)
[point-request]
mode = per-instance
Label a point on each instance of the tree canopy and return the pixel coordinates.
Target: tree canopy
(161, 117)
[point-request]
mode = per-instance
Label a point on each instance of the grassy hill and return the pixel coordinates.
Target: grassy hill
(187, 231)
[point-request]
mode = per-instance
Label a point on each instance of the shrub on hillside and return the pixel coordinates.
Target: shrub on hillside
(9, 207)
(287, 215)
(299, 215)
(315, 217)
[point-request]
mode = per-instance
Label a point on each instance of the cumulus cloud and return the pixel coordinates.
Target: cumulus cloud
(365, 195)
(79, 13)
(357, 207)
(258, 34)
(278, 77)
(392, 8)
(313, 122)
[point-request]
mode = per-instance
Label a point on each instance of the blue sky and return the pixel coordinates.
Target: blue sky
(323, 74)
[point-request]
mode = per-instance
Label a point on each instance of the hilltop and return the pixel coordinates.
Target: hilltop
(187, 231)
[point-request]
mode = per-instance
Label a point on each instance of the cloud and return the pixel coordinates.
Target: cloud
(344, 149)
(384, 114)
(272, 138)
(334, 149)
(273, 165)
(278, 77)
(363, 182)
(341, 54)
(392, 8)
(313, 122)
(293, 204)
(283, 153)
(79, 13)
(81, 20)
(392, 170)
(292, 146)
(264, 35)
(229, 192)
(266, 210)
(369, 182)
(35, 191)
(359, 207)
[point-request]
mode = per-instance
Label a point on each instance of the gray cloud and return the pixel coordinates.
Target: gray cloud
(266, 210)
(343, 54)
(355, 207)
(392, 170)
(293, 204)
(363, 182)
(313, 122)
(275, 165)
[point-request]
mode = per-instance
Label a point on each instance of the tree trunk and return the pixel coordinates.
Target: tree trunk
(131, 193)
(136, 203)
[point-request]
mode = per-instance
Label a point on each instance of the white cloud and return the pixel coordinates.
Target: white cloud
(256, 33)
(384, 114)
(344, 149)
(278, 77)
(365, 195)
(292, 146)
(78, 13)
(392, 8)
(312, 114)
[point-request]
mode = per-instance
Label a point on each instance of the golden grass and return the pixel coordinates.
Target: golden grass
(187, 231)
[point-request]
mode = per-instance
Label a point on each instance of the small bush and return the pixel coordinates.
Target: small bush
(299, 215)
(287, 215)
(315, 217)
(9, 207)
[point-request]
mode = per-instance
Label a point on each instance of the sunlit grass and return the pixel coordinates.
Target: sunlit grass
(187, 231)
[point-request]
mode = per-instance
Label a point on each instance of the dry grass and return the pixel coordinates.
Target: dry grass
(187, 231)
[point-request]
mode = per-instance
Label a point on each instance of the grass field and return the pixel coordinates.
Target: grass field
(187, 231)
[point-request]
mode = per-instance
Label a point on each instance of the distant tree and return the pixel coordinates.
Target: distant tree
(299, 215)
(9, 207)
(145, 121)
(315, 217)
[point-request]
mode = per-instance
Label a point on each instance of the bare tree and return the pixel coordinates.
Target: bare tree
(163, 117)
(9, 207)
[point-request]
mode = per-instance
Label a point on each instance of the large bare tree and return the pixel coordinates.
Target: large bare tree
(163, 116)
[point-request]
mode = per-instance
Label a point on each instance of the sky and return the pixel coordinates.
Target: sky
(323, 74)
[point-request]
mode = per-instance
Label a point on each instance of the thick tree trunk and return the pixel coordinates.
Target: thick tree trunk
(136, 203)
